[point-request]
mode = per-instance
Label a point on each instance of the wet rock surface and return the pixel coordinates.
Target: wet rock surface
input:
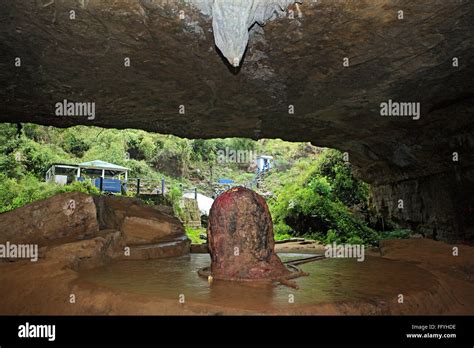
(240, 237)
(175, 247)
(139, 223)
(60, 219)
(84, 231)
(88, 253)
(457, 261)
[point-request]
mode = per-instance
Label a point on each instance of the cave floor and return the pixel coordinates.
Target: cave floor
(427, 275)
(374, 281)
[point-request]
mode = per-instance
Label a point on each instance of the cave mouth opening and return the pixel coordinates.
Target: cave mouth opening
(311, 192)
(161, 216)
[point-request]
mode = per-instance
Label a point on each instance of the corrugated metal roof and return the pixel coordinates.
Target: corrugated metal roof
(102, 165)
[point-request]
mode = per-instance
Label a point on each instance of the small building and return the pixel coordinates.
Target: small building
(106, 176)
(61, 174)
(103, 169)
(264, 163)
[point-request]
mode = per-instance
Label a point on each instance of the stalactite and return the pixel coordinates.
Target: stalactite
(232, 19)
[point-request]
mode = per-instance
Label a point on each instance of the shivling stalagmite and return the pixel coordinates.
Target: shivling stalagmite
(232, 19)
(240, 236)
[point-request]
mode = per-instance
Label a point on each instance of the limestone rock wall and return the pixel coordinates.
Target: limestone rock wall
(63, 218)
(438, 206)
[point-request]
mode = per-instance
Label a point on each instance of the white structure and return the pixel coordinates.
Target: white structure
(59, 173)
(264, 163)
(63, 174)
(204, 202)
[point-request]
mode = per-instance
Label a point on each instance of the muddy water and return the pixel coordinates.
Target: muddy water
(330, 280)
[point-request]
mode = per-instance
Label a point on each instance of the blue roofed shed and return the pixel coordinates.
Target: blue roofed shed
(104, 175)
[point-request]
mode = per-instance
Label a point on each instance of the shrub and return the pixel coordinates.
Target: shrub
(175, 195)
(15, 193)
(75, 145)
(140, 146)
(314, 204)
(193, 234)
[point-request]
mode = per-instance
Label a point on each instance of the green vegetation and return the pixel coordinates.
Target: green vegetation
(193, 234)
(311, 191)
(396, 234)
(16, 193)
(320, 200)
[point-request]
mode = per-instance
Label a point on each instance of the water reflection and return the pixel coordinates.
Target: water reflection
(329, 281)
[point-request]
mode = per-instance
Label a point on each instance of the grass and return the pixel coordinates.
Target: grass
(283, 236)
(395, 234)
(193, 234)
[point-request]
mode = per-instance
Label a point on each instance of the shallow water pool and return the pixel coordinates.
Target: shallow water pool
(330, 280)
